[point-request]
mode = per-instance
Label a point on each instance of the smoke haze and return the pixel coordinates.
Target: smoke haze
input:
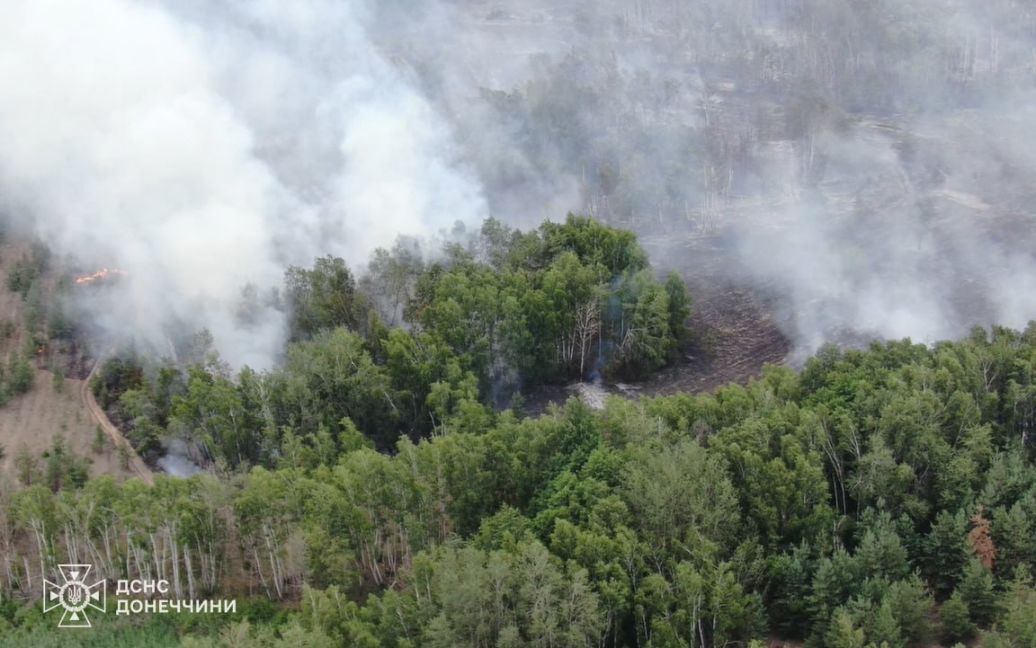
(867, 163)
(201, 150)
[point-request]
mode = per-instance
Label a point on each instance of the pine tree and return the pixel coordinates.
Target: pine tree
(946, 552)
(883, 627)
(956, 620)
(976, 589)
(842, 633)
(981, 542)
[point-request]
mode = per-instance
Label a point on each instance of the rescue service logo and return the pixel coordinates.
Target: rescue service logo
(74, 596)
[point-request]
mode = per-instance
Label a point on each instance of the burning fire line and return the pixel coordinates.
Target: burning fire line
(100, 275)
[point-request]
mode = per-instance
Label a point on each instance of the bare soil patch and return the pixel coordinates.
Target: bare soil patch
(32, 420)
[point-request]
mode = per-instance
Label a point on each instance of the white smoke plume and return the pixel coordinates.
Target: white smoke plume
(201, 146)
(868, 163)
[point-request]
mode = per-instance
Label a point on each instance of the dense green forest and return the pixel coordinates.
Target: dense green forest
(414, 348)
(371, 492)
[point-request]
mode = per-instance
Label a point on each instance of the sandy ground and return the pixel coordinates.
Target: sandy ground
(32, 420)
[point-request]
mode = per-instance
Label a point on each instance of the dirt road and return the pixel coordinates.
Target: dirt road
(136, 464)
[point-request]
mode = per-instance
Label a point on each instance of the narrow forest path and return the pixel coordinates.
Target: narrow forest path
(136, 464)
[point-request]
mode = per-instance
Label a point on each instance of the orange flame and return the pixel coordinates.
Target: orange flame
(103, 273)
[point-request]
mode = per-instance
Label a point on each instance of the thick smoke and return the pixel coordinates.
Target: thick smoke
(199, 148)
(868, 163)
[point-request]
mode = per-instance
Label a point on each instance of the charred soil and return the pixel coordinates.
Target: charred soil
(735, 325)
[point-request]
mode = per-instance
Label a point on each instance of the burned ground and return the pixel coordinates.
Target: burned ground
(736, 327)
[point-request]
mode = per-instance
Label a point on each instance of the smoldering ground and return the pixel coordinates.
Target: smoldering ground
(867, 162)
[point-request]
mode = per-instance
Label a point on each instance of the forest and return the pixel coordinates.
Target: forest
(292, 316)
(383, 487)
(415, 348)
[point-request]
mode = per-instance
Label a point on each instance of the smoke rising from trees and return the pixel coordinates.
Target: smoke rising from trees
(863, 162)
(199, 149)
(868, 163)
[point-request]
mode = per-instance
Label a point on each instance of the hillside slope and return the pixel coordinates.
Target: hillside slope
(32, 420)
